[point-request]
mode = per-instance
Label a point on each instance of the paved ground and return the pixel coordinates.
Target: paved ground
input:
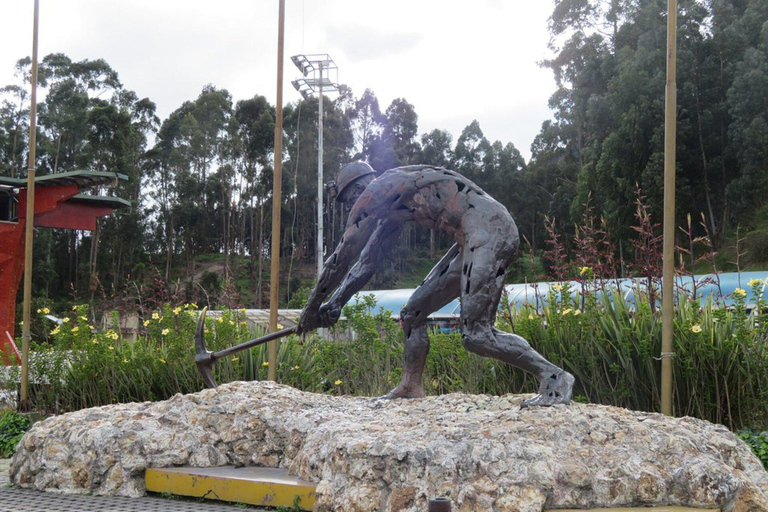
(24, 500)
(4, 464)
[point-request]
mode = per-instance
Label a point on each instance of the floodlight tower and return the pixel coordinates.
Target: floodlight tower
(312, 67)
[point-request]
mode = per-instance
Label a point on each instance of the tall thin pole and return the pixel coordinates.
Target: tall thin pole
(320, 179)
(277, 194)
(30, 225)
(670, 138)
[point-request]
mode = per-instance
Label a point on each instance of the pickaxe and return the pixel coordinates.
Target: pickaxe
(204, 359)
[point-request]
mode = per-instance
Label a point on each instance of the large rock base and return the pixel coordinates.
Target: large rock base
(367, 455)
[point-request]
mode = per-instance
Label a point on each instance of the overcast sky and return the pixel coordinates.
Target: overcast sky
(455, 61)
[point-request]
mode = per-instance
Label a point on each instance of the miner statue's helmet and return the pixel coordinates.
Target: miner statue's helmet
(349, 174)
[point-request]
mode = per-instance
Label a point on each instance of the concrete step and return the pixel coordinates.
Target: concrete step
(267, 487)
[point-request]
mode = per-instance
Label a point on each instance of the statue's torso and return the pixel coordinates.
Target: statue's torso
(433, 197)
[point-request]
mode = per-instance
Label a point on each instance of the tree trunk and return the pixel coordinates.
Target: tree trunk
(225, 231)
(93, 279)
(58, 151)
(432, 243)
(73, 260)
(169, 253)
(261, 254)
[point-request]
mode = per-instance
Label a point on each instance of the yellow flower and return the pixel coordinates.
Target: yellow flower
(39, 310)
(126, 361)
(90, 327)
(242, 310)
(243, 323)
(337, 382)
(74, 308)
(220, 319)
(155, 316)
(235, 359)
(56, 330)
(46, 311)
(696, 328)
(162, 360)
(95, 341)
(566, 311)
(191, 313)
(280, 326)
(146, 323)
(66, 320)
(165, 332)
(231, 322)
(295, 367)
(265, 363)
(584, 270)
(576, 312)
(530, 317)
(75, 329)
(755, 282)
(83, 318)
(557, 287)
(738, 292)
(176, 310)
(207, 331)
(111, 347)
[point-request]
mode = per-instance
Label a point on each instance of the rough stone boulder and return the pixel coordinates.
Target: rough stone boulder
(483, 452)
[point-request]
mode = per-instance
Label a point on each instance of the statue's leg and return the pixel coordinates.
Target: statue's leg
(482, 282)
(439, 288)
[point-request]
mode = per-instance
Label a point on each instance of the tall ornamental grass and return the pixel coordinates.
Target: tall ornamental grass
(611, 345)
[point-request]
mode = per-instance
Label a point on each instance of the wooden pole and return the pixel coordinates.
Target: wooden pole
(30, 226)
(277, 191)
(670, 138)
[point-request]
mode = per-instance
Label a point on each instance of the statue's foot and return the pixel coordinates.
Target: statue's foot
(557, 388)
(404, 391)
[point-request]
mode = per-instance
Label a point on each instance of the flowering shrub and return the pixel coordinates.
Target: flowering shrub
(611, 346)
(81, 367)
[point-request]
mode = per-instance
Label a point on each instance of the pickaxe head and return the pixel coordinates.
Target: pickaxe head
(203, 357)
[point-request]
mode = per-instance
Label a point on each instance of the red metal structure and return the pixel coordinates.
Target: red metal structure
(58, 204)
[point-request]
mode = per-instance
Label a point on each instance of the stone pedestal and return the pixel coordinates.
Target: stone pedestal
(483, 452)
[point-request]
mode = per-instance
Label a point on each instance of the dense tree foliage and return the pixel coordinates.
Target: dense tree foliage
(606, 138)
(200, 181)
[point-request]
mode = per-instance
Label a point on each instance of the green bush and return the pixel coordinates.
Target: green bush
(12, 427)
(758, 442)
(756, 246)
(81, 368)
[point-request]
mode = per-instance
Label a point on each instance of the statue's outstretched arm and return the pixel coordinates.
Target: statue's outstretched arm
(352, 242)
(380, 246)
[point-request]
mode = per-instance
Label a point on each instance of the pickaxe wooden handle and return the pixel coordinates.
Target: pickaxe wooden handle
(204, 358)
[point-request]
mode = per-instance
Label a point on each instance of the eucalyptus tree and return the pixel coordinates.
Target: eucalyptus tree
(436, 148)
(187, 151)
(367, 123)
(14, 121)
(300, 179)
(470, 151)
(397, 144)
(256, 119)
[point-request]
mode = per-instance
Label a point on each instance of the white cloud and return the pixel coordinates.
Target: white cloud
(455, 61)
(364, 43)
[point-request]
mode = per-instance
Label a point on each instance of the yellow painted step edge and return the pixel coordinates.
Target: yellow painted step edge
(267, 494)
(646, 509)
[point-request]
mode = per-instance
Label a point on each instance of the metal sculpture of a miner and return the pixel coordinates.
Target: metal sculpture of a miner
(473, 269)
